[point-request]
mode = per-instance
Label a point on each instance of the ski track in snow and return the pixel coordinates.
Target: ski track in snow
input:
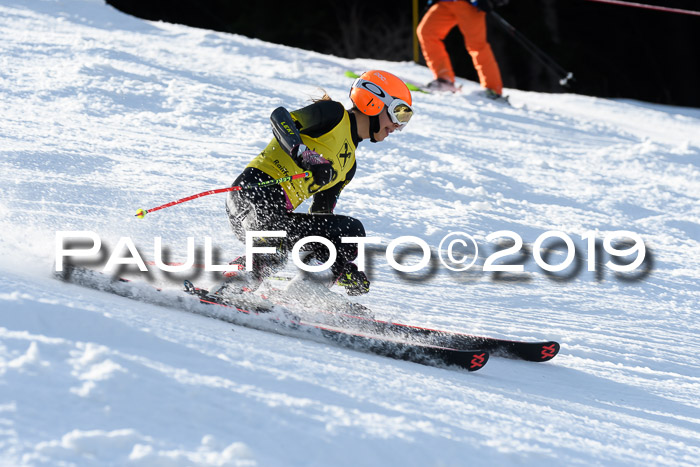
(105, 113)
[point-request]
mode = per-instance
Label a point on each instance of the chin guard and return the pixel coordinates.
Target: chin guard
(373, 127)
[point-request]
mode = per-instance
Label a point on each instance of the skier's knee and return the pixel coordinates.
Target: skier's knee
(354, 228)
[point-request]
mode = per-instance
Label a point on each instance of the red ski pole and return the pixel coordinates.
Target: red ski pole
(141, 213)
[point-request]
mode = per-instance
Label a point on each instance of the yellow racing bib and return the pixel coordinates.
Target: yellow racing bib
(336, 146)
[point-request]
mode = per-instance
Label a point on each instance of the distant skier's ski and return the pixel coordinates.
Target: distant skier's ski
(267, 317)
(409, 84)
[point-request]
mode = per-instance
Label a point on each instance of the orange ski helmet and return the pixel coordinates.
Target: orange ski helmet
(374, 90)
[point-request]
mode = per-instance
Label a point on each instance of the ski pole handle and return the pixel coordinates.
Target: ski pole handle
(141, 213)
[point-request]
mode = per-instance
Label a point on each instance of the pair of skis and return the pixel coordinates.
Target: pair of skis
(355, 328)
(400, 341)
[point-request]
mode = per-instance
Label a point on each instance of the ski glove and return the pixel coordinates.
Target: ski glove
(321, 170)
(354, 280)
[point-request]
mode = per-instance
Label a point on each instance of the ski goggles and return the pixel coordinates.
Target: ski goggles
(399, 111)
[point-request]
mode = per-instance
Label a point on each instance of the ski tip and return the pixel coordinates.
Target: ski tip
(548, 351)
(477, 360)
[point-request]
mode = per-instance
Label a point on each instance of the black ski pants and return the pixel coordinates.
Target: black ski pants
(265, 208)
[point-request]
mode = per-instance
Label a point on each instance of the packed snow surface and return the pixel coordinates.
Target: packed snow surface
(103, 113)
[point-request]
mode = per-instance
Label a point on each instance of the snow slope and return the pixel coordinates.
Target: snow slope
(103, 113)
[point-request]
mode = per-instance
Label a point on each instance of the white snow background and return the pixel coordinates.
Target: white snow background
(102, 113)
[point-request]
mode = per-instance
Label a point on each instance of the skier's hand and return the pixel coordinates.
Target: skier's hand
(321, 170)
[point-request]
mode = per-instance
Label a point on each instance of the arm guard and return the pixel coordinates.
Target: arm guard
(314, 120)
(286, 132)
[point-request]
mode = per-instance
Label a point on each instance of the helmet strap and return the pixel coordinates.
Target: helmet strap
(373, 127)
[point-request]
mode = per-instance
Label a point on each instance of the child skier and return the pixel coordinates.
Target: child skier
(320, 139)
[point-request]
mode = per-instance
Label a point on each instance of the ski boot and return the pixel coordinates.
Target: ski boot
(494, 96)
(240, 280)
(442, 85)
(354, 280)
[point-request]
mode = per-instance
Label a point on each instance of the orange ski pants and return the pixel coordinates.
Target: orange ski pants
(437, 23)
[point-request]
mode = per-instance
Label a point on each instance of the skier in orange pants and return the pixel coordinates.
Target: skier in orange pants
(434, 27)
